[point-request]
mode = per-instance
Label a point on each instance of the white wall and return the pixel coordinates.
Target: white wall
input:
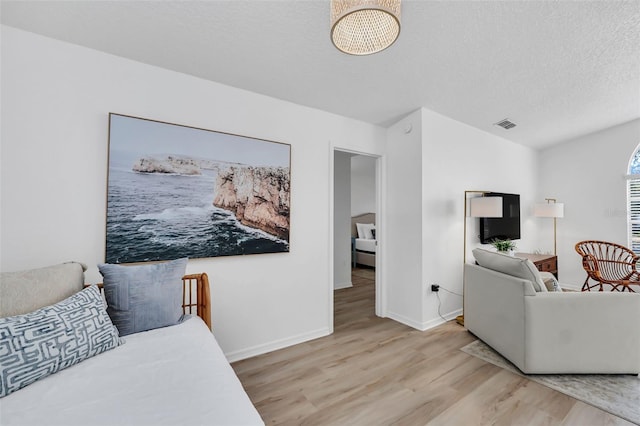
(363, 184)
(55, 103)
(401, 240)
(587, 174)
(342, 220)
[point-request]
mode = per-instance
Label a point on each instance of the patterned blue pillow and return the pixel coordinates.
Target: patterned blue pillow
(144, 297)
(43, 342)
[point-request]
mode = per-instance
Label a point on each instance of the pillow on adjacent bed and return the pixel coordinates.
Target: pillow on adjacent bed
(365, 231)
(144, 297)
(43, 342)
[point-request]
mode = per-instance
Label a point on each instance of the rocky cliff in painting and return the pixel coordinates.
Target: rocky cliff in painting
(259, 197)
(170, 164)
(180, 165)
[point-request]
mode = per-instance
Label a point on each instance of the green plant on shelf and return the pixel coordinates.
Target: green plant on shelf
(503, 245)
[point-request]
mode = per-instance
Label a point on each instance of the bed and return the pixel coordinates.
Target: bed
(170, 375)
(364, 239)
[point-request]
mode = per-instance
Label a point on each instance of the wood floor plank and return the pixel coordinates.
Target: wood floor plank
(585, 414)
(375, 371)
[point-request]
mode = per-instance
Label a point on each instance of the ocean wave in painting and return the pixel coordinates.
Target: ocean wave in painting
(168, 216)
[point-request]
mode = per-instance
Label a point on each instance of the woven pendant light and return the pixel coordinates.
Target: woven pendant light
(363, 27)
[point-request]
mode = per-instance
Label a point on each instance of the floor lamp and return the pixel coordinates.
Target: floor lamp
(477, 207)
(550, 209)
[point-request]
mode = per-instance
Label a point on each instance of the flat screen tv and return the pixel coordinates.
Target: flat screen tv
(506, 227)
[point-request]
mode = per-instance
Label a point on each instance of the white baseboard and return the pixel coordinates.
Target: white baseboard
(404, 320)
(437, 321)
(305, 337)
(338, 286)
(275, 345)
(426, 325)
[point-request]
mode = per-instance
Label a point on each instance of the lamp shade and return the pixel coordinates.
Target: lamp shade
(548, 210)
(363, 27)
(485, 207)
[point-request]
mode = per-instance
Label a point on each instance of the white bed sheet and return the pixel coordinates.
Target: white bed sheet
(169, 376)
(366, 245)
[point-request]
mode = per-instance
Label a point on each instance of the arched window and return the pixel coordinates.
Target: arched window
(633, 201)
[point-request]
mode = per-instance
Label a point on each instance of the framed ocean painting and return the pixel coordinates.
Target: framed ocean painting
(177, 191)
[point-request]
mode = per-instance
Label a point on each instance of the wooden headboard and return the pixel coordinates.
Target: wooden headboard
(196, 298)
(361, 218)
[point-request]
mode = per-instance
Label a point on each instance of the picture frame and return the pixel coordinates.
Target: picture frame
(178, 191)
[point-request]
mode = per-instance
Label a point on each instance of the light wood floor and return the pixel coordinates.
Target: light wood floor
(375, 371)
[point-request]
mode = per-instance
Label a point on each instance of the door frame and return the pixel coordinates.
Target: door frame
(380, 281)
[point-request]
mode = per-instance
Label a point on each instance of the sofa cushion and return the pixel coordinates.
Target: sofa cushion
(144, 297)
(50, 339)
(510, 265)
(25, 291)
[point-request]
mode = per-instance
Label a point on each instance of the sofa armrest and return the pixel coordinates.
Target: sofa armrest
(582, 332)
(494, 310)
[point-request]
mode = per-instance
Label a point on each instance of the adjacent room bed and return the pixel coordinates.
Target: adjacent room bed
(170, 375)
(363, 235)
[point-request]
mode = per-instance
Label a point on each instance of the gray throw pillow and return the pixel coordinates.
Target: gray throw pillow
(144, 297)
(43, 342)
(515, 266)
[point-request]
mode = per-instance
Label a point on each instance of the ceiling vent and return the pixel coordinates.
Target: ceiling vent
(505, 124)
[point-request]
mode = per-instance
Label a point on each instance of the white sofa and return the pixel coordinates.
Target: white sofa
(549, 332)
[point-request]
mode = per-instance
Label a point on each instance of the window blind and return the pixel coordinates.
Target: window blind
(633, 196)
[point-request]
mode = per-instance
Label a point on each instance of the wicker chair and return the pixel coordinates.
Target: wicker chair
(609, 263)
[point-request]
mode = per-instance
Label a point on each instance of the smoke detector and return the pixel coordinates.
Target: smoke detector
(505, 124)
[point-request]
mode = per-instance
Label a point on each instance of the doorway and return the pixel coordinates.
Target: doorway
(356, 275)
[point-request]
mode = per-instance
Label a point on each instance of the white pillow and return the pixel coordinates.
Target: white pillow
(369, 230)
(550, 281)
(364, 230)
(26, 291)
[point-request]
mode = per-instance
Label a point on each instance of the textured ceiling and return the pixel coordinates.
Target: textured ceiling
(558, 69)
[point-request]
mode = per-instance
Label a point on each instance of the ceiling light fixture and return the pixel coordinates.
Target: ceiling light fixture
(363, 27)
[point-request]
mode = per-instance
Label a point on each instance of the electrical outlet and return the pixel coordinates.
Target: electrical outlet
(435, 287)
